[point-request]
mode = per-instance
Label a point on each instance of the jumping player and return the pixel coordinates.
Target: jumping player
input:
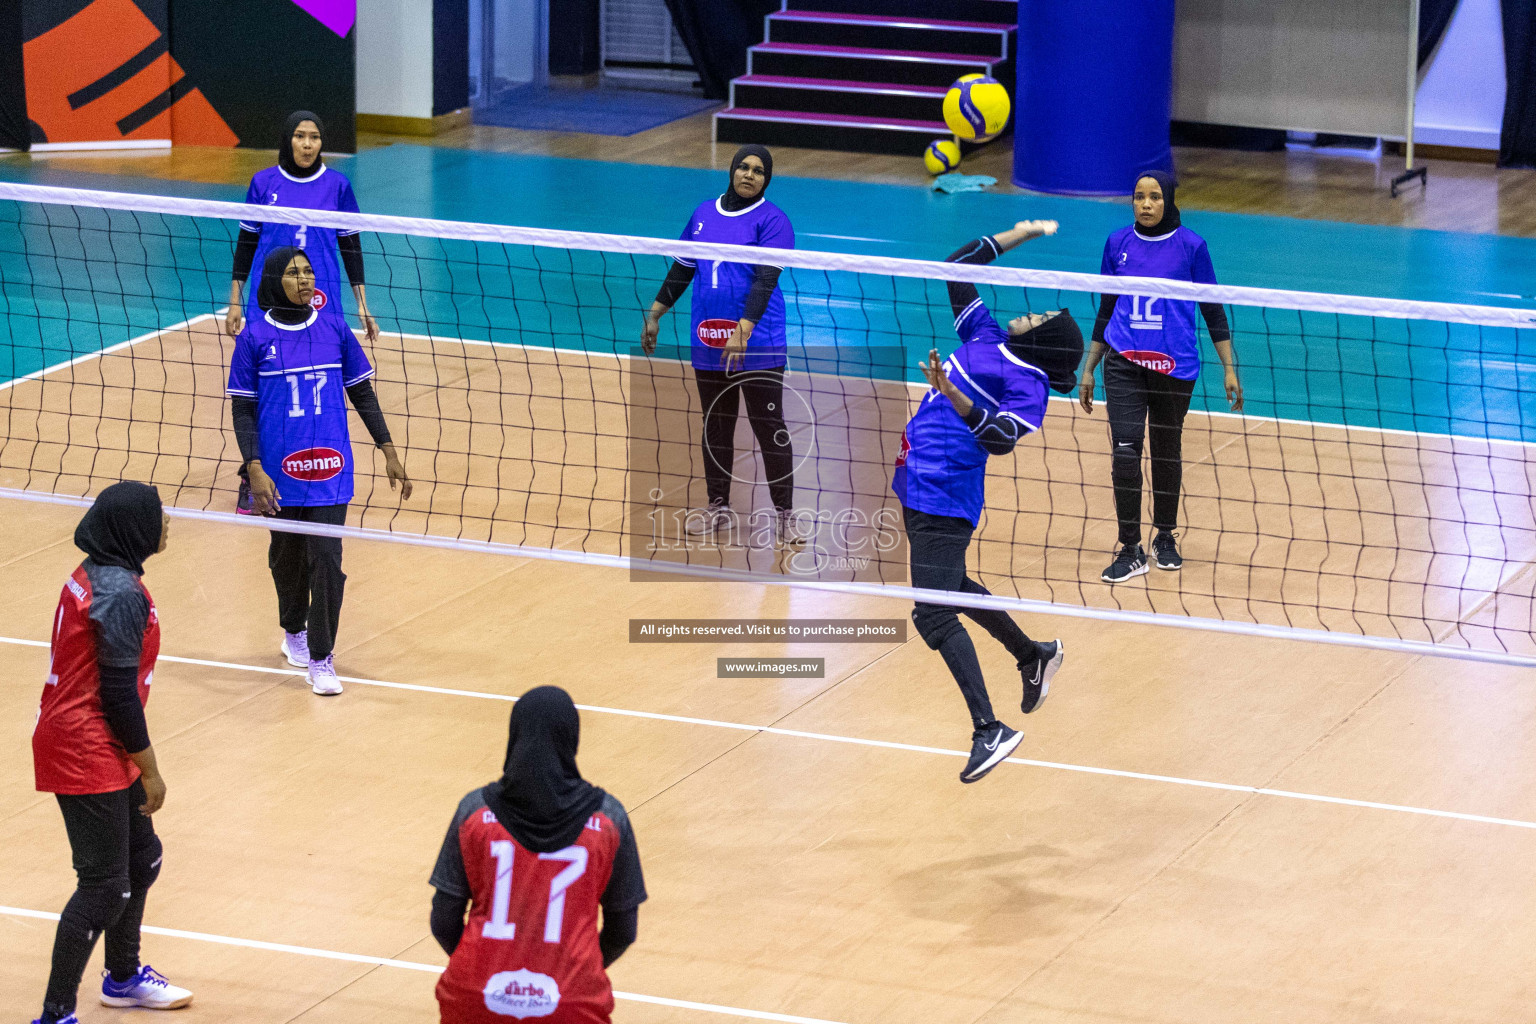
(286, 380)
(532, 857)
(984, 399)
(91, 750)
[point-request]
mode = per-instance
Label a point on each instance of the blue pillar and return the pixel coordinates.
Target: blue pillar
(1094, 94)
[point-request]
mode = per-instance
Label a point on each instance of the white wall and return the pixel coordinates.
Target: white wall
(394, 57)
(1460, 100)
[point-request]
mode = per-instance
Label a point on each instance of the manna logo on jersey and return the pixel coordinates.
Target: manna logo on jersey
(319, 301)
(1159, 362)
(313, 464)
(522, 994)
(715, 333)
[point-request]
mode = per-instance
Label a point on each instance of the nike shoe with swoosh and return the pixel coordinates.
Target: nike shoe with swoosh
(1037, 677)
(989, 747)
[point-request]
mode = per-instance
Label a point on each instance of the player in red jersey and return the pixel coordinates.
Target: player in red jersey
(91, 749)
(532, 856)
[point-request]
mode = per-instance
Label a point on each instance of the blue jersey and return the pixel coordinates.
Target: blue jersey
(941, 469)
(325, 190)
(720, 288)
(299, 375)
(1159, 334)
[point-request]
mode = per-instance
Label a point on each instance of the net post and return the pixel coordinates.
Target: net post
(1409, 171)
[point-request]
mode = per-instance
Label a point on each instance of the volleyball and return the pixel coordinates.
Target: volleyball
(942, 155)
(976, 108)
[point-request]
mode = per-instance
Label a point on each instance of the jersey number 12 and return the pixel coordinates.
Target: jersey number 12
(498, 927)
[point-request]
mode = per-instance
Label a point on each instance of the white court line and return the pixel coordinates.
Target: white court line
(408, 965)
(1231, 787)
(884, 591)
(119, 346)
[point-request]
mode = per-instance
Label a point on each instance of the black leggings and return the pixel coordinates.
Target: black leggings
(308, 576)
(937, 545)
(116, 856)
(764, 391)
(1144, 402)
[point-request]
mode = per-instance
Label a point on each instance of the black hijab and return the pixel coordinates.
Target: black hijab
(1056, 347)
(285, 158)
(732, 201)
(122, 527)
(1170, 221)
(270, 295)
(541, 798)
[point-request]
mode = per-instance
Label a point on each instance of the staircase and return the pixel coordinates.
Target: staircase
(866, 76)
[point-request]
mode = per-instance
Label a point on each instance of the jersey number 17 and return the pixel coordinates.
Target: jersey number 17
(498, 927)
(317, 379)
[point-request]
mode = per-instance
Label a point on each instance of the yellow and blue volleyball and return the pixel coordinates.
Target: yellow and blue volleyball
(942, 156)
(976, 108)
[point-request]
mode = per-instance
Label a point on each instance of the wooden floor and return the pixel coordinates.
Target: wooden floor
(1202, 828)
(1398, 535)
(794, 872)
(1461, 195)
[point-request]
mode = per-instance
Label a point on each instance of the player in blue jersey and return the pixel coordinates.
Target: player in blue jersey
(286, 382)
(985, 397)
(738, 346)
(301, 180)
(1151, 353)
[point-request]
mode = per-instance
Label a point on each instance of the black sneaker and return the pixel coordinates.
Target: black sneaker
(989, 747)
(245, 505)
(1131, 561)
(1165, 548)
(1037, 677)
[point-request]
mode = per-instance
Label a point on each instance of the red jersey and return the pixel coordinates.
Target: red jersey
(530, 946)
(73, 749)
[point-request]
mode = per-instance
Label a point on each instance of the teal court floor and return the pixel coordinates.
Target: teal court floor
(1364, 371)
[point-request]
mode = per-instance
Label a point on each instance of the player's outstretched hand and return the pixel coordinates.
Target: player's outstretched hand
(1035, 228)
(1085, 393)
(395, 469)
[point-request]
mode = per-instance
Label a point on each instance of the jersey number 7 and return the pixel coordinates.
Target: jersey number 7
(498, 927)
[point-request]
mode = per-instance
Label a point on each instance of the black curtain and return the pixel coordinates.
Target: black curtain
(1517, 140)
(574, 30)
(450, 55)
(1434, 16)
(13, 86)
(717, 34)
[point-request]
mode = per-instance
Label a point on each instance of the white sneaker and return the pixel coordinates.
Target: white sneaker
(705, 522)
(322, 677)
(296, 648)
(147, 989)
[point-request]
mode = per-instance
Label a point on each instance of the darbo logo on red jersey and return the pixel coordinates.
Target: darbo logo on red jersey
(1161, 362)
(319, 300)
(313, 464)
(715, 333)
(522, 994)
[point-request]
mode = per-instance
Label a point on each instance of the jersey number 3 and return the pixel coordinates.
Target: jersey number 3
(498, 927)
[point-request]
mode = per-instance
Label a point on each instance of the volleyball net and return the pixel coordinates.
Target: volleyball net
(1379, 486)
